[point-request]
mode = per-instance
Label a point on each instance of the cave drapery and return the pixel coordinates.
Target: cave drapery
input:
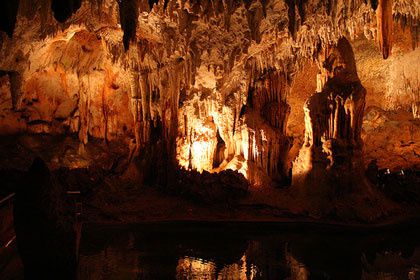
(205, 85)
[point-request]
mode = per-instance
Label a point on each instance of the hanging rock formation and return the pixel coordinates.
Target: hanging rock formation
(199, 85)
(385, 26)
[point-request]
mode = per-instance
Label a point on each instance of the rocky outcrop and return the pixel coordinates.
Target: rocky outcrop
(391, 139)
(224, 187)
(245, 135)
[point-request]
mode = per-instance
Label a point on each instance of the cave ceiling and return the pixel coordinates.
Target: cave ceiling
(211, 81)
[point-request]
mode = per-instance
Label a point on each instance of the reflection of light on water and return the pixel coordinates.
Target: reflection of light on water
(413, 273)
(197, 269)
(298, 270)
(238, 271)
(391, 265)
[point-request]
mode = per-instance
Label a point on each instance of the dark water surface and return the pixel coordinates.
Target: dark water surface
(247, 251)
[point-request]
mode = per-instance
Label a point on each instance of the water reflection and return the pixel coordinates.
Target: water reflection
(194, 268)
(229, 252)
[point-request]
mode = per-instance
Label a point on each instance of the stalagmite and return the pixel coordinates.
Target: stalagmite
(199, 85)
(264, 126)
(331, 153)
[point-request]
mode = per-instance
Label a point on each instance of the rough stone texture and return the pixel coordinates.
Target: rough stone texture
(389, 130)
(331, 153)
(207, 85)
(390, 125)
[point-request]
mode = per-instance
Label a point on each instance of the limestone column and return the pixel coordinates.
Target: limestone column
(331, 153)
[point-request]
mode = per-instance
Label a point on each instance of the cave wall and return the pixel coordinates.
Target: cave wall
(207, 85)
(390, 125)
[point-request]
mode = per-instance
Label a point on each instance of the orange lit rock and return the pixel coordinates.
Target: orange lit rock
(333, 122)
(263, 141)
(385, 26)
(202, 84)
(10, 121)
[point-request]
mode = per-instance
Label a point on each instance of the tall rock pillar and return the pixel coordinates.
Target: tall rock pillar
(331, 153)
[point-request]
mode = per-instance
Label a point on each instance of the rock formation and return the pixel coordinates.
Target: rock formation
(331, 153)
(385, 26)
(199, 85)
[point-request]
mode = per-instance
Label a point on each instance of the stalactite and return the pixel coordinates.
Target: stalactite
(385, 26)
(136, 109)
(255, 16)
(293, 18)
(16, 84)
(301, 8)
(128, 17)
(215, 55)
(84, 104)
(264, 127)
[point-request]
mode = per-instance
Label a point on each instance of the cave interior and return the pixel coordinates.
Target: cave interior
(187, 109)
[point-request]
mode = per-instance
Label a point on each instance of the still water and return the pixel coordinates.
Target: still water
(247, 251)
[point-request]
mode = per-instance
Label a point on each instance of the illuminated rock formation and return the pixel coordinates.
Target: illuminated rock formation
(248, 136)
(332, 150)
(262, 141)
(385, 26)
(205, 85)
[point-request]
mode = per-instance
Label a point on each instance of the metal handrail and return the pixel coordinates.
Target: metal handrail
(73, 192)
(10, 196)
(8, 202)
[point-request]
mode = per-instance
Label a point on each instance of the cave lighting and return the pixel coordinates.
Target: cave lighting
(201, 153)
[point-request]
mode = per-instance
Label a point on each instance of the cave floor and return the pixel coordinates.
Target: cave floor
(109, 196)
(149, 205)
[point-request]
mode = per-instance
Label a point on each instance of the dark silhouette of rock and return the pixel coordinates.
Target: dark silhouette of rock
(44, 226)
(226, 186)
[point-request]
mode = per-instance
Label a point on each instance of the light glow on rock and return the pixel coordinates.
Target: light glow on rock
(201, 153)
